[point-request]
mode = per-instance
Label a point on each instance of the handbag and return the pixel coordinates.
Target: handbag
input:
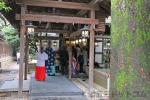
(77, 66)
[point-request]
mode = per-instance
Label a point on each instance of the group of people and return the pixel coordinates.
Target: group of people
(48, 61)
(79, 58)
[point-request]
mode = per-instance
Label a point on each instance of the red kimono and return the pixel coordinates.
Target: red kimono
(40, 66)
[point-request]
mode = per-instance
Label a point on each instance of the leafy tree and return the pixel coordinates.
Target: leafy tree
(7, 30)
(32, 48)
(11, 37)
(3, 6)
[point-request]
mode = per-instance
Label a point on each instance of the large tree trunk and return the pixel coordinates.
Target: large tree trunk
(130, 50)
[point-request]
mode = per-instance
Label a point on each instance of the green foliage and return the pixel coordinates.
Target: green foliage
(106, 51)
(32, 49)
(11, 37)
(3, 6)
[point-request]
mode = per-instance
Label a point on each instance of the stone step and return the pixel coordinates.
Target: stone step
(97, 88)
(40, 93)
(9, 86)
(11, 76)
(100, 76)
(58, 98)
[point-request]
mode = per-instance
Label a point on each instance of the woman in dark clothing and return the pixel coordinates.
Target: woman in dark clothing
(74, 51)
(80, 59)
(64, 57)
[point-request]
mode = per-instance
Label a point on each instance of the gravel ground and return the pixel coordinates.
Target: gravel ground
(10, 95)
(14, 96)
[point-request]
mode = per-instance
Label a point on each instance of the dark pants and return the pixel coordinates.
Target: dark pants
(18, 61)
(81, 67)
(63, 67)
(57, 68)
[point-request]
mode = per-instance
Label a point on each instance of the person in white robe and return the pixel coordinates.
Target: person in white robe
(18, 57)
(40, 65)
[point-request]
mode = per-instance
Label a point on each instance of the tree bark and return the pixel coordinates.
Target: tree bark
(130, 50)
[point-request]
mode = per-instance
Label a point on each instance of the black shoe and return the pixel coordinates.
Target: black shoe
(51, 74)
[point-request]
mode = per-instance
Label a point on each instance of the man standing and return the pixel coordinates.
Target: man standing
(18, 57)
(64, 57)
(51, 60)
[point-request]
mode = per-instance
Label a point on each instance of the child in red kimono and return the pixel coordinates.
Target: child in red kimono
(73, 65)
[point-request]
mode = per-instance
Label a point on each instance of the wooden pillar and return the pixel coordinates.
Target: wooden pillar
(70, 57)
(91, 58)
(70, 53)
(22, 32)
(26, 58)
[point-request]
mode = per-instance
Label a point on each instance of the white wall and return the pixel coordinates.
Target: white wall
(99, 48)
(98, 57)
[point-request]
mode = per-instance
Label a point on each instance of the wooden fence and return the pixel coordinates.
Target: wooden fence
(5, 50)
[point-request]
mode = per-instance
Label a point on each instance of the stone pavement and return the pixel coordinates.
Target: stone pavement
(54, 88)
(58, 98)
(11, 76)
(9, 82)
(12, 85)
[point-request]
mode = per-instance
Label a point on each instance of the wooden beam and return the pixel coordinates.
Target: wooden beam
(83, 12)
(76, 33)
(106, 6)
(58, 4)
(92, 3)
(98, 40)
(51, 31)
(60, 19)
(98, 52)
(103, 37)
(48, 38)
